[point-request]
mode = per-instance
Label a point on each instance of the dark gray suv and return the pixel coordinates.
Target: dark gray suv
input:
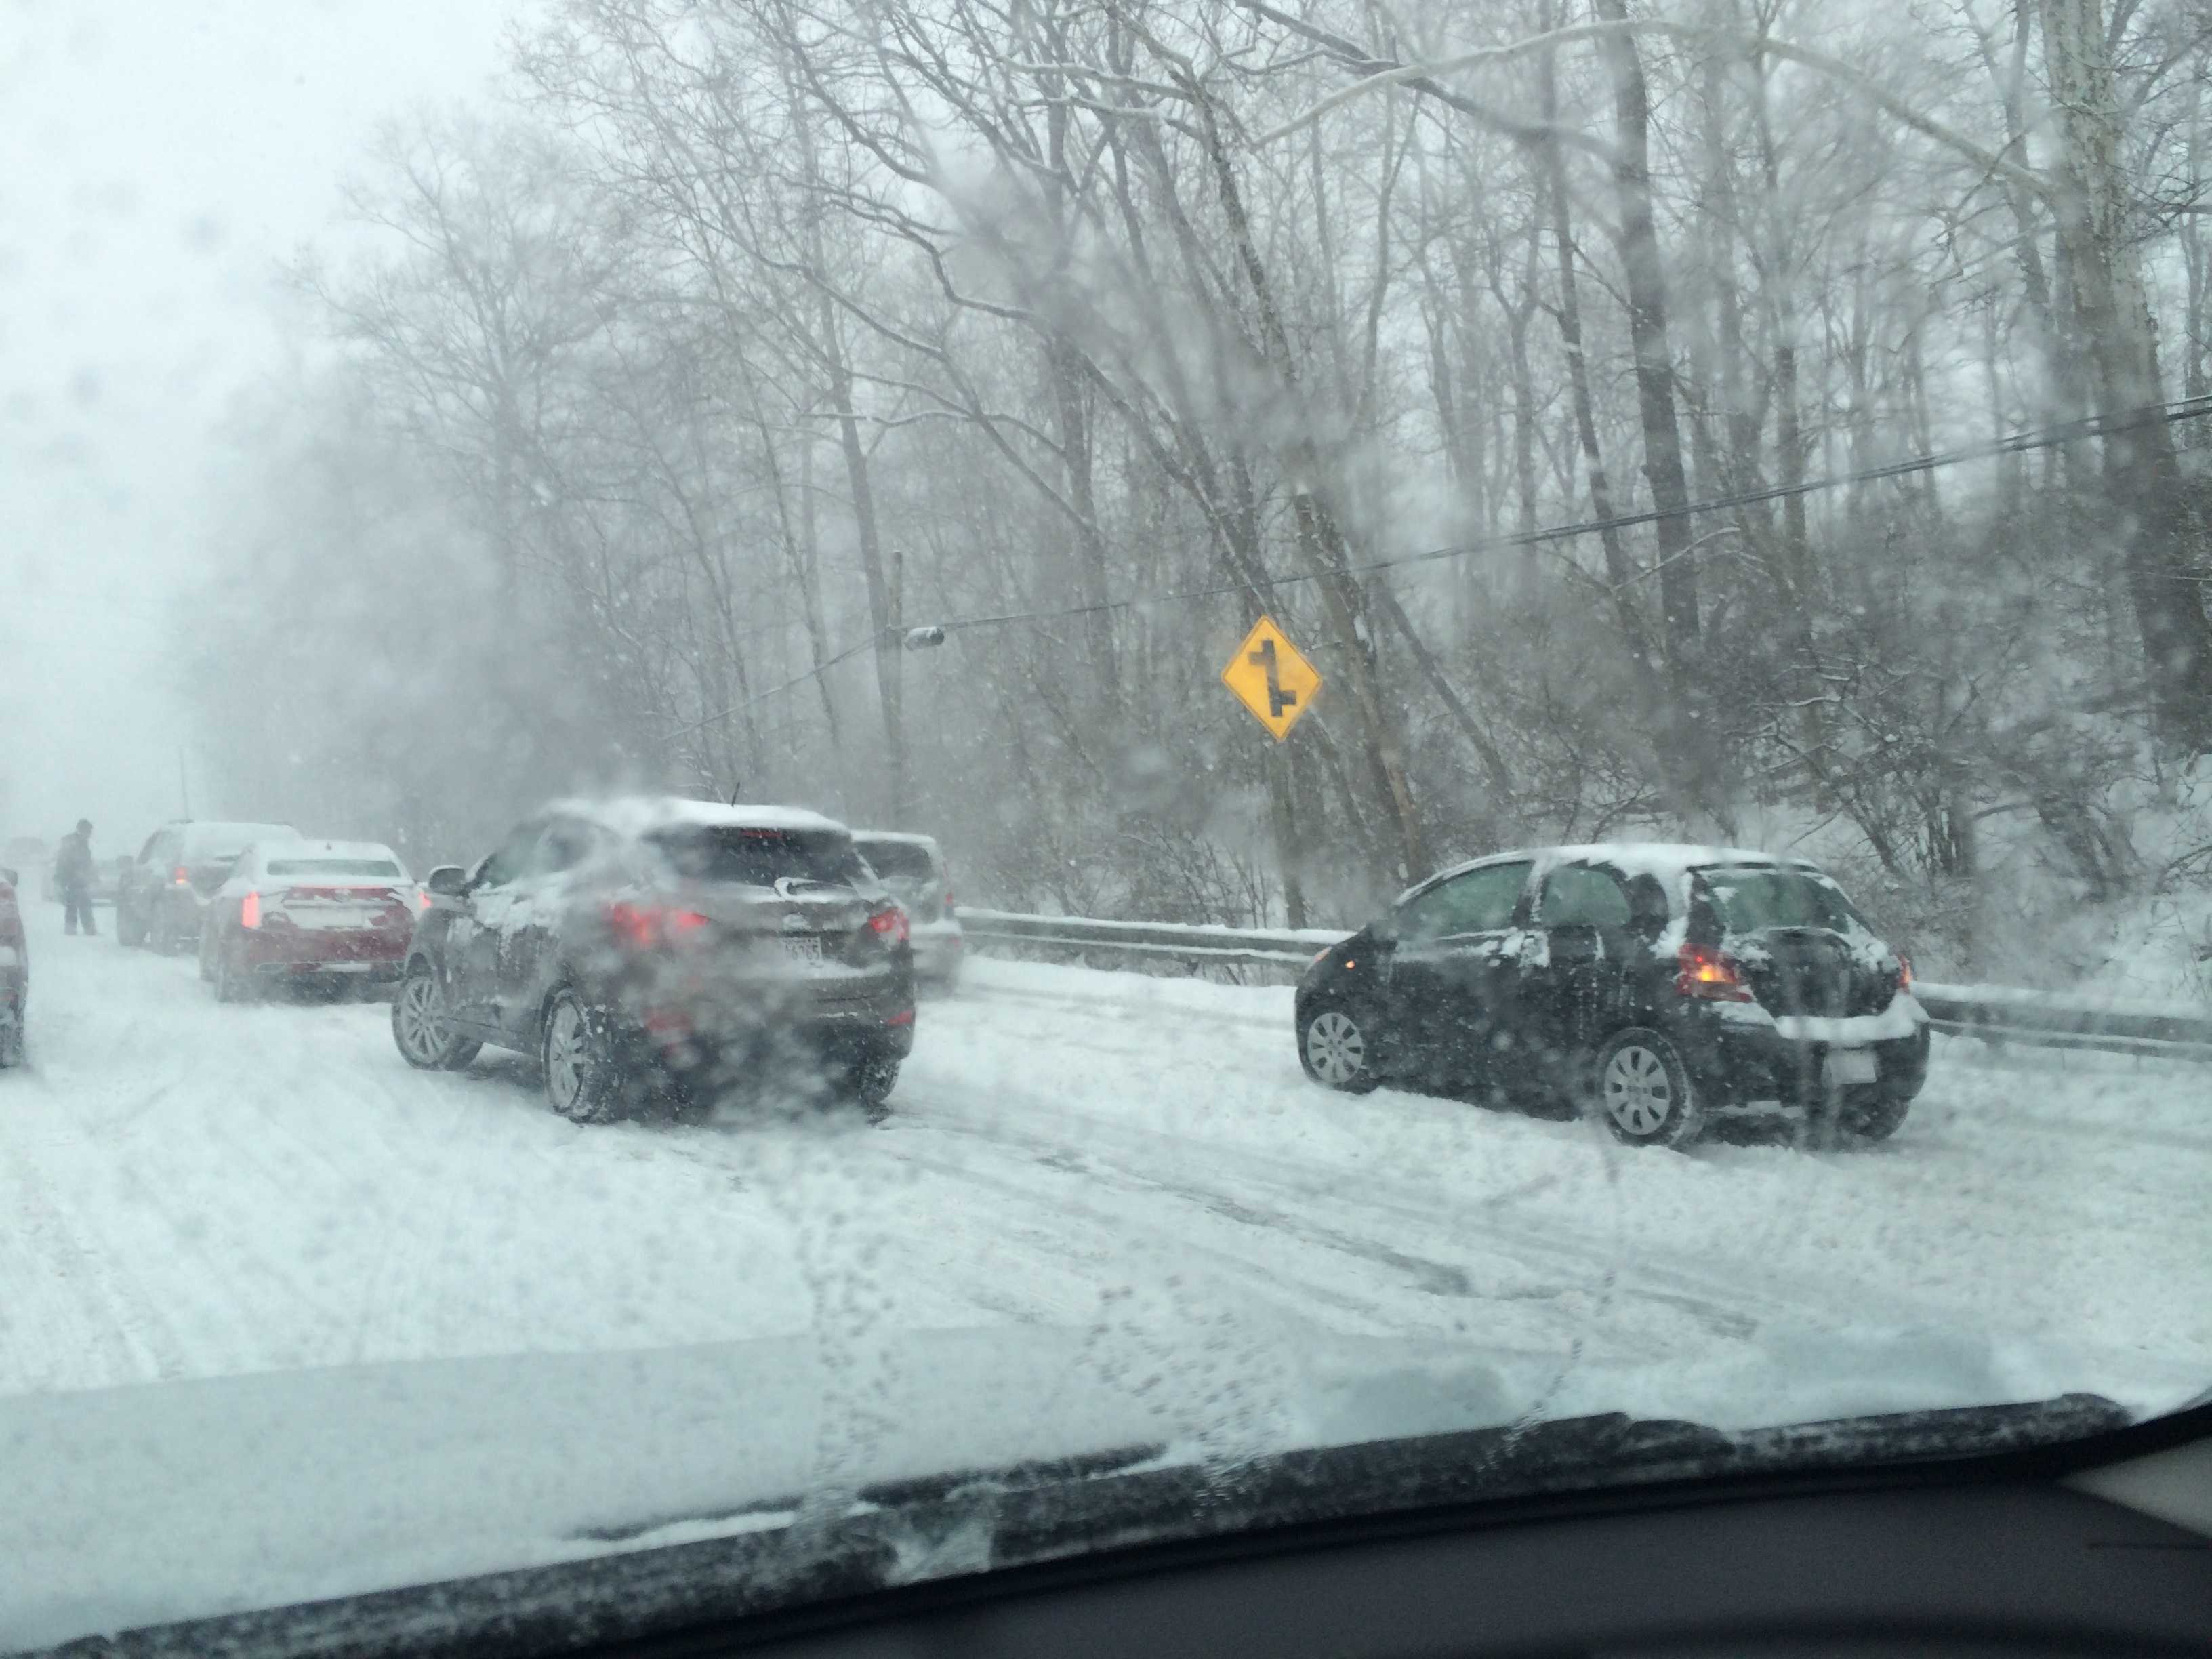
(661, 946)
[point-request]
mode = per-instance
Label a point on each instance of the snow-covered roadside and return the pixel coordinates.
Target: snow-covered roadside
(1120, 1187)
(189, 1190)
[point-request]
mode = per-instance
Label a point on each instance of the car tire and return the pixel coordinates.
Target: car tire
(230, 985)
(1334, 1041)
(1867, 1115)
(420, 1028)
(1639, 1087)
(868, 1081)
(579, 1060)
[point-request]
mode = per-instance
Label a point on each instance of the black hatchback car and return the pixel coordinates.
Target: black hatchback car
(645, 947)
(1655, 986)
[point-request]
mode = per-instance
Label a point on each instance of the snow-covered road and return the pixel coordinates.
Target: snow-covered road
(191, 1190)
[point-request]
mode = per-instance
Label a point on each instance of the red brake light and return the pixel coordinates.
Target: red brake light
(647, 927)
(890, 925)
(181, 876)
(1903, 971)
(422, 898)
(1703, 972)
(249, 913)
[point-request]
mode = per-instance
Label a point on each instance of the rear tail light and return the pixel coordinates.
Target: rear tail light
(650, 927)
(1702, 972)
(890, 925)
(249, 912)
(181, 877)
(1903, 971)
(904, 1017)
(422, 898)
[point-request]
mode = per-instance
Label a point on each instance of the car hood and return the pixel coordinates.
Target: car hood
(160, 1503)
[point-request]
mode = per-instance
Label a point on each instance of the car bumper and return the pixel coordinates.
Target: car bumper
(376, 954)
(1769, 1067)
(939, 951)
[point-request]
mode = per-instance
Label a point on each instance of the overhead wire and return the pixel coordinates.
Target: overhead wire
(2048, 437)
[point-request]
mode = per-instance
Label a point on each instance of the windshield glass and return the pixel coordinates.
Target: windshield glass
(1753, 901)
(1122, 736)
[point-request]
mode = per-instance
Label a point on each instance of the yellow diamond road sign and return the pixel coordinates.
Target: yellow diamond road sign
(1270, 678)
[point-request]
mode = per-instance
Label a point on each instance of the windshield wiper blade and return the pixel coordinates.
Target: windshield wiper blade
(981, 1519)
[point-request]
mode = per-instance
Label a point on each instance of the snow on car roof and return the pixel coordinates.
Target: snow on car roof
(1666, 859)
(303, 847)
(200, 833)
(639, 815)
(901, 837)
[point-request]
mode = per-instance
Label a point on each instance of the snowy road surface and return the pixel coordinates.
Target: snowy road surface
(192, 1190)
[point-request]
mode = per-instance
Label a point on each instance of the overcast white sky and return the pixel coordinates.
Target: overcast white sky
(158, 159)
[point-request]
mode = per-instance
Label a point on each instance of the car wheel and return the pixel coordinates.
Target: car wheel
(1640, 1086)
(1870, 1114)
(230, 985)
(1334, 1047)
(11, 1041)
(867, 1080)
(583, 1072)
(421, 1028)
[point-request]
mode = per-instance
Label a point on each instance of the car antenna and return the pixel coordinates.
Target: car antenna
(736, 789)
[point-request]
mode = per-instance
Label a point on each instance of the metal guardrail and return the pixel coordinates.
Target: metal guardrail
(1286, 946)
(1996, 1014)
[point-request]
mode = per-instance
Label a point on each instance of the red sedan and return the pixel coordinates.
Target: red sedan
(332, 912)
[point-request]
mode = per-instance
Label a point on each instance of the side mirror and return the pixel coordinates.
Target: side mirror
(448, 881)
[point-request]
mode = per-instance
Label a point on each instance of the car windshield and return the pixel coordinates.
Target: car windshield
(1753, 901)
(882, 763)
(333, 867)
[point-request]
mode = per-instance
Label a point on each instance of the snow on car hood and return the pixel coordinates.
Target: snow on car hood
(262, 1490)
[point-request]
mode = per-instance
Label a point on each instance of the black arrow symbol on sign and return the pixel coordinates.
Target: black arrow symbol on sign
(1278, 699)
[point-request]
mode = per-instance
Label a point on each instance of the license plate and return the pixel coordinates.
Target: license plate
(1849, 1065)
(802, 950)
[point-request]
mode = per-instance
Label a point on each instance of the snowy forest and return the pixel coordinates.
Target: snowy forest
(1743, 420)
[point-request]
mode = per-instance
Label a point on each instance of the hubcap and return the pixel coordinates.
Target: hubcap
(1334, 1047)
(568, 1056)
(419, 1018)
(1638, 1094)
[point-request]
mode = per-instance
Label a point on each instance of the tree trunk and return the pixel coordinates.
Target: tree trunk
(1691, 781)
(2154, 525)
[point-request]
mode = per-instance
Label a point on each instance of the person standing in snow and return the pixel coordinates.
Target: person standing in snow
(73, 875)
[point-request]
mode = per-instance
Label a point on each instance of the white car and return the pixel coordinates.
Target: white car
(913, 868)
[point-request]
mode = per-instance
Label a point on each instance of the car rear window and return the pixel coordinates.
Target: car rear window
(1752, 901)
(898, 859)
(212, 842)
(758, 858)
(334, 867)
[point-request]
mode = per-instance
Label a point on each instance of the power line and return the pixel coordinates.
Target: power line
(2018, 443)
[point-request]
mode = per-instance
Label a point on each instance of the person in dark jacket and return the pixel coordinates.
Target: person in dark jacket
(73, 875)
